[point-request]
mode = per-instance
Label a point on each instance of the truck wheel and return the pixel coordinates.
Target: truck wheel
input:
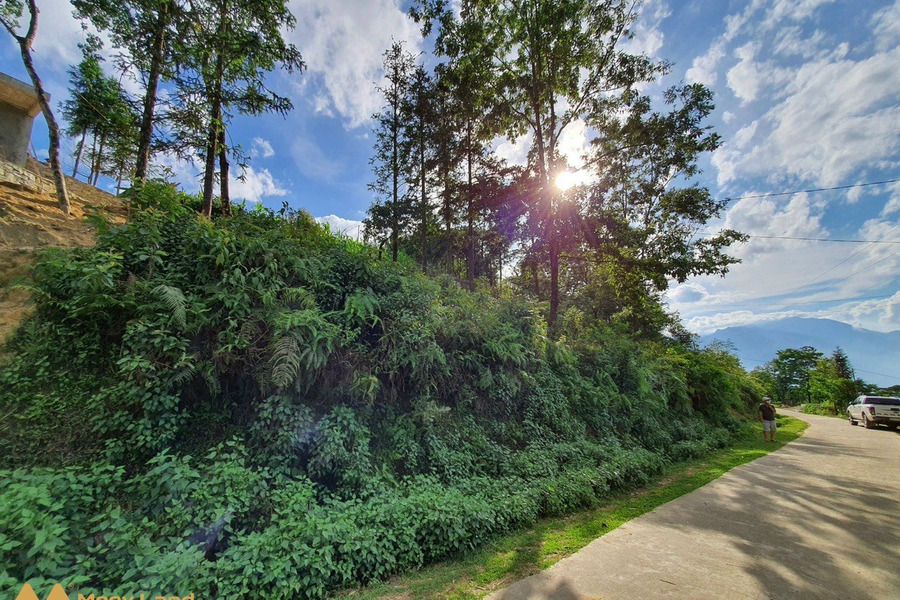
(852, 422)
(867, 423)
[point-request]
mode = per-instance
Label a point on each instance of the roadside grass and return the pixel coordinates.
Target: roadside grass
(523, 553)
(822, 410)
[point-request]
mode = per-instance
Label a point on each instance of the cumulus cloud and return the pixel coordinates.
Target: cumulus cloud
(254, 185)
(791, 10)
(250, 184)
(838, 118)
(340, 225)
(704, 67)
(342, 44)
(648, 36)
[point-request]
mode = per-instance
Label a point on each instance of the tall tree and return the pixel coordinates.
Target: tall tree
(562, 65)
(842, 364)
(148, 30)
(420, 138)
(98, 106)
(475, 113)
(10, 13)
(234, 45)
(390, 213)
(640, 221)
(552, 64)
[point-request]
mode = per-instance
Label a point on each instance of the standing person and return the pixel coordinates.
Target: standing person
(767, 416)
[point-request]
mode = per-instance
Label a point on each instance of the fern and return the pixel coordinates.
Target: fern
(298, 296)
(360, 309)
(286, 361)
(174, 300)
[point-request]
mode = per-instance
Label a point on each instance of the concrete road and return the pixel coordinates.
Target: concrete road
(818, 519)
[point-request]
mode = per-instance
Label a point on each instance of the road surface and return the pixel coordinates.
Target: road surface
(818, 519)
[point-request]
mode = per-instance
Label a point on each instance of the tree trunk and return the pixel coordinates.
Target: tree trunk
(157, 58)
(99, 164)
(209, 172)
(554, 275)
(424, 202)
(448, 221)
(395, 180)
(78, 153)
(25, 44)
(224, 195)
(470, 210)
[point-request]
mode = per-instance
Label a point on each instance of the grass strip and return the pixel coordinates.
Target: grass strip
(526, 552)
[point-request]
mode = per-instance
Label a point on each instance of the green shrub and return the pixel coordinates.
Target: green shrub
(334, 417)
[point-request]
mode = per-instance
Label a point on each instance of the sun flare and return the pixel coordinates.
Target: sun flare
(566, 180)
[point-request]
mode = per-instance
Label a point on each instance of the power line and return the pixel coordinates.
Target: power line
(812, 239)
(822, 274)
(810, 191)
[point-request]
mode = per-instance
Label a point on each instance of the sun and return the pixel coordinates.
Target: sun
(565, 180)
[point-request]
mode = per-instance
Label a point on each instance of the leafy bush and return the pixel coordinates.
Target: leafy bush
(253, 407)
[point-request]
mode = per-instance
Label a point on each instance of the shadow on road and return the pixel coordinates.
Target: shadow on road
(803, 530)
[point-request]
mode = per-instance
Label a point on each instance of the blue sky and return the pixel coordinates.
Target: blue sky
(807, 94)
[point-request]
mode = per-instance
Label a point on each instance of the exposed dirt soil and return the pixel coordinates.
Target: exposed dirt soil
(31, 221)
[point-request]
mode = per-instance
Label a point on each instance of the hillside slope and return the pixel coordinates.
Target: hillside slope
(30, 220)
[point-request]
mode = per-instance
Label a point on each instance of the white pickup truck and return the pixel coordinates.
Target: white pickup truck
(875, 410)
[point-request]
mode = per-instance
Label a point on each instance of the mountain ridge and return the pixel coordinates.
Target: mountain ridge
(875, 355)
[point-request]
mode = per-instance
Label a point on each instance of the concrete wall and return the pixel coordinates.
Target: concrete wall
(15, 134)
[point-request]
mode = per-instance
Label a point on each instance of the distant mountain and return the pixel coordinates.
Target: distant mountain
(874, 355)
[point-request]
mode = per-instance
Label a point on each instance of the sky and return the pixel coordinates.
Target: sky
(807, 97)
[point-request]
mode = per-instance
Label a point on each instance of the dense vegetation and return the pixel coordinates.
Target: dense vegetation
(252, 406)
(822, 384)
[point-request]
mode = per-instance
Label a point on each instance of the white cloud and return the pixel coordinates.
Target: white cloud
(704, 67)
(745, 135)
(745, 78)
(262, 148)
(838, 118)
(648, 36)
(340, 225)
(791, 10)
(749, 76)
(893, 204)
(254, 185)
(886, 27)
(342, 44)
(790, 42)
(514, 152)
(58, 34)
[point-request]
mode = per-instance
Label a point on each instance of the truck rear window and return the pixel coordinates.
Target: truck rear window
(888, 401)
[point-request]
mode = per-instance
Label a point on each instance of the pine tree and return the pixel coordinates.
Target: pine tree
(390, 214)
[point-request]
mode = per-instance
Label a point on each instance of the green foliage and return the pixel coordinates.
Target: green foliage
(338, 418)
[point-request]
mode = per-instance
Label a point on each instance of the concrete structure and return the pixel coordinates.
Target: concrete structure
(18, 107)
